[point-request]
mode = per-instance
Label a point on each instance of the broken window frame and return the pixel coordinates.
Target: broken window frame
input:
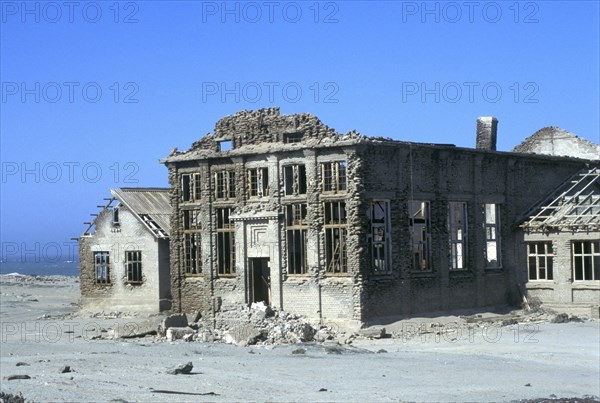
(420, 235)
(192, 264)
(491, 225)
(115, 216)
(334, 176)
(257, 182)
(102, 267)
(225, 145)
(380, 236)
(540, 261)
(335, 235)
(191, 242)
(458, 235)
(294, 177)
(133, 266)
(191, 219)
(296, 238)
(190, 187)
(586, 260)
(290, 138)
(224, 184)
(225, 242)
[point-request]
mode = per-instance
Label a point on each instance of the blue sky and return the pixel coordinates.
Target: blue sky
(93, 94)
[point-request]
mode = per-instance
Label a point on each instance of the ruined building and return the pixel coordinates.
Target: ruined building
(283, 209)
(124, 253)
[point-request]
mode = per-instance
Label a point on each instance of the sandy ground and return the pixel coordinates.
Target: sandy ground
(41, 333)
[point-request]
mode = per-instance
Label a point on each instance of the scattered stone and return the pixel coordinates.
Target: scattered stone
(194, 317)
(299, 351)
(14, 377)
(527, 384)
(381, 350)
(322, 390)
(176, 320)
(65, 369)
(574, 318)
(179, 333)
(22, 364)
(372, 333)
(185, 369)
(139, 335)
(11, 398)
(333, 349)
(561, 318)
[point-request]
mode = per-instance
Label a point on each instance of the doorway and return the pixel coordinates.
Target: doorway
(259, 277)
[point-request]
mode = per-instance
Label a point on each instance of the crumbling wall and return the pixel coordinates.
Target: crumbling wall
(378, 169)
(555, 141)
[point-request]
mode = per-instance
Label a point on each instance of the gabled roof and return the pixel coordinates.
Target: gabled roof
(553, 140)
(151, 206)
(575, 206)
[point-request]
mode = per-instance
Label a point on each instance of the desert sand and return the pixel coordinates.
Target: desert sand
(73, 356)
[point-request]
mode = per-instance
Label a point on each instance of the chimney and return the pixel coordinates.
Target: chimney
(486, 133)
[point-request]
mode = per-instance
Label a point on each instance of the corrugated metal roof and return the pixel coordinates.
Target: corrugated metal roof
(574, 205)
(151, 205)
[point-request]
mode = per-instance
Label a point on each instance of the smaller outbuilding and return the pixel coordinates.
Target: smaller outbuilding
(562, 238)
(124, 253)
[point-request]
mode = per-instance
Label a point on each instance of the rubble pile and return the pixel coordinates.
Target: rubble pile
(243, 326)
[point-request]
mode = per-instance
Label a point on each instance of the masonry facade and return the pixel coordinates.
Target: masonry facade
(124, 253)
(283, 209)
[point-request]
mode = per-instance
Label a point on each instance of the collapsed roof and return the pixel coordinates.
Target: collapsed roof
(575, 205)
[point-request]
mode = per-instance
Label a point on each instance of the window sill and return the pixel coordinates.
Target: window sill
(586, 284)
(191, 276)
(134, 283)
(493, 270)
(541, 284)
(464, 273)
(423, 274)
(226, 276)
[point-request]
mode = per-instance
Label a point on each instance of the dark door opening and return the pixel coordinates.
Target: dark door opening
(259, 276)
